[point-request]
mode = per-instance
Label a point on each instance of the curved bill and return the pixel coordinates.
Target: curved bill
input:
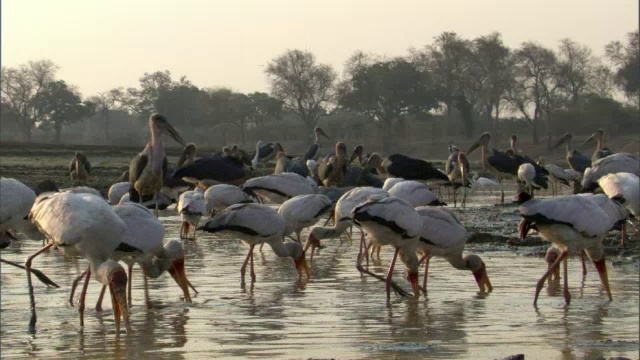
(483, 280)
(589, 139)
(178, 274)
(413, 279)
(173, 133)
(319, 131)
(302, 266)
(118, 290)
(474, 146)
(561, 141)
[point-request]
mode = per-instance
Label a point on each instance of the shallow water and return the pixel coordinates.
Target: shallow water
(337, 314)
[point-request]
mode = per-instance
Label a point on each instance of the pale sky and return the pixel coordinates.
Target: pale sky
(102, 44)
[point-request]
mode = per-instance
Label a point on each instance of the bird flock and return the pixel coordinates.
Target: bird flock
(395, 201)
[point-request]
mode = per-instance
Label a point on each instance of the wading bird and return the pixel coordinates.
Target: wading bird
(616, 163)
(499, 164)
(571, 222)
(443, 235)
(253, 224)
(625, 189)
(148, 169)
(303, 211)
(191, 207)
(600, 151)
(221, 196)
(575, 159)
(83, 224)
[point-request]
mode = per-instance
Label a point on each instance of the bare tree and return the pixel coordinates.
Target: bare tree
(626, 59)
(105, 103)
(575, 66)
(305, 87)
(21, 86)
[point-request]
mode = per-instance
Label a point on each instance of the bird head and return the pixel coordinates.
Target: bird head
(174, 252)
(597, 135)
(341, 149)
(113, 275)
(357, 154)
(483, 140)
(564, 139)
(319, 132)
(298, 255)
(476, 265)
(160, 122)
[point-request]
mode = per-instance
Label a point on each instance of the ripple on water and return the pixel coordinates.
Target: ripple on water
(337, 314)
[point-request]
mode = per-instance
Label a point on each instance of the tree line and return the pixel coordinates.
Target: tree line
(480, 84)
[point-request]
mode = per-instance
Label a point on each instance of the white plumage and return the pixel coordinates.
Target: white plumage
(483, 183)
(163, 201)
(416, 193)
(191, 207)
(527, 174)
(303, 211)
(221, 196)
(443, 235)
(558, 175)
(619, 162)
(85, 224)
(573, 222)
(389, 220)
(253, 224)
(117, 191)
(626, 187)
(390, 182)
(278, 188)
(16, 200)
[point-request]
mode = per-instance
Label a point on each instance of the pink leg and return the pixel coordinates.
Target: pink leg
(567, 295)
(99, 302)
(584, 265)
(129, 284)
(390, 274)
(544, 277)
(243, 269)
(253, 274)
(83, 296)
(426, 271)
(74, 285)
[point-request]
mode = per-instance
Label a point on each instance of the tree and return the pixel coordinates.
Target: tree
(141, 102)
(534, 86)
(456, 77)
(106, 102)
(58, 106)
(495, 63)
(264, 108)
(182, 103)
(575, 68)
(626, 58)
(20, 86)
(388, 91)
(230, 108)
(602, 81)
(304, 86)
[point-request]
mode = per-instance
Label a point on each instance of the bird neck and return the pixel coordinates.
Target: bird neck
(281, 249)
(599, 143)
(484, 157)
(458, 262)
(154, 267)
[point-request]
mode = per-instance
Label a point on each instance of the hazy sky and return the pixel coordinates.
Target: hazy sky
(102, 44)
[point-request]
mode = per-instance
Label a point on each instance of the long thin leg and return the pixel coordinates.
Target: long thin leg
(567, 295)
(544, 277)
(83, 296)
(243, 269)
(155, 200)
(426, 271)
(464, 193)
(130, 269)
(501, 191)
(146, 292)
(253, 274)
(623, 234)
(74, 285)
(195, 228)
(100, 297)
(32, 299)
(584, 265)
(453, 185)
(390, 274)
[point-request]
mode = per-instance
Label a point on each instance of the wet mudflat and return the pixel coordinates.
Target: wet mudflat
(338, 313)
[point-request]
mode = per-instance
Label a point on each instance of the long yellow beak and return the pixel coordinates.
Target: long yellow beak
(178, 274)
(302, 266)
(119, 305)
(483, 280)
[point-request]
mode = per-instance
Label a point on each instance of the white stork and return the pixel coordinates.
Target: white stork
(392, 221)
(527, 175)
(572, 222)
(616, 163)
(117, 191)
(343, 218)
(391, 182)
(416, 193)
(221, 196)
(443, 235)
(278, 188)
(253, 224)
(191, 207)
(624, 188)
(556, 175)
(303, 211)
(83, 224)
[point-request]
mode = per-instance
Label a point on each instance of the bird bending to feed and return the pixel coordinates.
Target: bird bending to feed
(79, 169)
(571, 222)
(191, 207)
(149, 168)
(253, 224)
(303, 211)
(392, 221)
(616, 163)
(443, 235)
(528, 176)
(415, 193)
(87, 225)
(278, 188)
(556, 175)
(625, 189)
